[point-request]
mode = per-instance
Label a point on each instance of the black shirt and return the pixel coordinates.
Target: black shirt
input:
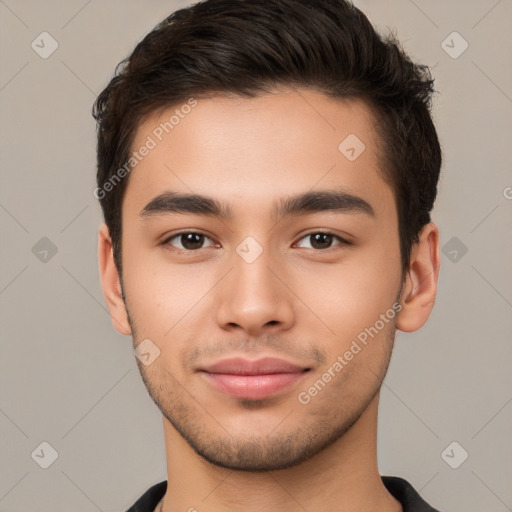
(402, 490)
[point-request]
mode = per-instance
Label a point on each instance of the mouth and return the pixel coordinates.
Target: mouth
(252, 380)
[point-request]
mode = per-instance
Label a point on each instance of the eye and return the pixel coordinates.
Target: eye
(188, 241)
(323, 240)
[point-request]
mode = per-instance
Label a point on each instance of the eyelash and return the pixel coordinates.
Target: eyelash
(166, 242)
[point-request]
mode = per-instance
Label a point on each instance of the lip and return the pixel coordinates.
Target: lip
(252, 380)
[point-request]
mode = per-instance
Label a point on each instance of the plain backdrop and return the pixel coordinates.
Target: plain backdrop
(69, 380)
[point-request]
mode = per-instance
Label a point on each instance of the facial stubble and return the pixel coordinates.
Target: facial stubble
(289, 444)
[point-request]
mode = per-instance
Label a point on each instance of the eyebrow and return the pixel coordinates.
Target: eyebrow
(336, 201)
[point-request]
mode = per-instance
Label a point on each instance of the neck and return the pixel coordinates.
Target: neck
(344, 476)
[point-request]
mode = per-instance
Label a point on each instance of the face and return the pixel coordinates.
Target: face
(270, 293)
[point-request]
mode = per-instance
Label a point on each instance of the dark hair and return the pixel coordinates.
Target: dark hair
(247, 48)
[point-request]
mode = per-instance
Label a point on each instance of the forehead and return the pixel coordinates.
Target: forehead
(246, 150)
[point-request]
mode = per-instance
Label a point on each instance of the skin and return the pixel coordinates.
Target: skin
(301, 301)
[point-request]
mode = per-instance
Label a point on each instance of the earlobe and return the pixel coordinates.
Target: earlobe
(420, 285)
(111, 283)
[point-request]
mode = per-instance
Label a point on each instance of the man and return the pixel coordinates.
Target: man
(266, 171)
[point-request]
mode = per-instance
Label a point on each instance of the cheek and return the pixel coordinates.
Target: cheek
(349, 379)
(163, 298)
(345, 298)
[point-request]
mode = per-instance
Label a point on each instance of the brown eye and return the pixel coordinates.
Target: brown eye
(322, 240)
(187, 241)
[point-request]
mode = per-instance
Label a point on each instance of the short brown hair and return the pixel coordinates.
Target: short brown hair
(251, 47)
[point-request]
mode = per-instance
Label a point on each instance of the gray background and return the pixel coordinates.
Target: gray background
(68, 379)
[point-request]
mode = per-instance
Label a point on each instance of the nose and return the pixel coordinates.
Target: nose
(255, 297)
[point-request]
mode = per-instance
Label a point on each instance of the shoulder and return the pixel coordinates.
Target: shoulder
(405, 493)
(149, 500)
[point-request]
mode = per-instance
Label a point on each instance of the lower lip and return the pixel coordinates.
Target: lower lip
(252, 387)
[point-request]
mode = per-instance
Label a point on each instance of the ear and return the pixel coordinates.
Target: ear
(420, 284)
(111, 283)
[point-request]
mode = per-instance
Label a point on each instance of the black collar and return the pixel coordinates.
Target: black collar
(399, 488)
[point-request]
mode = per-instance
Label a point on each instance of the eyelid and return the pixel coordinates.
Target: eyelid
(167, 240)
(342, 241)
